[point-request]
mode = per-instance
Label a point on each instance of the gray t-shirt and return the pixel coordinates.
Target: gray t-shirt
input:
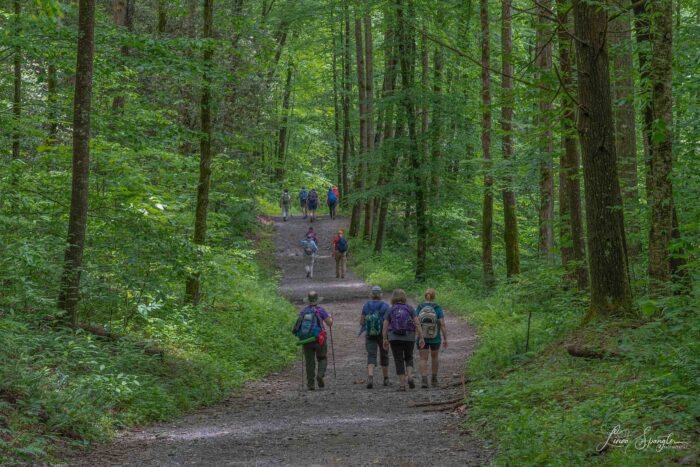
(409, 337)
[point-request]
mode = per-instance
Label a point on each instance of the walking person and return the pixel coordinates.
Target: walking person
(332, 202)
(310, 249)
(303, 197)
(310, 328)
(372, 321)
(340, 253)
(311, 234)
(285, 204)
(432, 324)
(312, 202)
(399, 331)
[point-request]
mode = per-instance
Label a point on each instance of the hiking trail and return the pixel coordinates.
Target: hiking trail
(274, 421)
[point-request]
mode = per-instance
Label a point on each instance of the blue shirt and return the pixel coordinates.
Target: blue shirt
(440, 314)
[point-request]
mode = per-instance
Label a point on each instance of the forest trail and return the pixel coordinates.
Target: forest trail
(273, 421)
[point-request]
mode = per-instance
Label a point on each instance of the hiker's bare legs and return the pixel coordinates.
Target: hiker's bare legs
(370, 370)
(424, 362)
(434, 357)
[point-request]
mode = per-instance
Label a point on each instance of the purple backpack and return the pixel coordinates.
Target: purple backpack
(400, 320)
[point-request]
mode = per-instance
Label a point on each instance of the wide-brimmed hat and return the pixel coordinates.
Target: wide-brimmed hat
(312, 298)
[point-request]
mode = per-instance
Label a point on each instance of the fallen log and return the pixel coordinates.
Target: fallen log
(100, 331)
(576, 350)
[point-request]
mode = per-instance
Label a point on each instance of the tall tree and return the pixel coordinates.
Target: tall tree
(544, 66)
(486, 121)
(162, 17)
(69, 295)
(347, 91)
(611, 293)
(359, 181)
(573, 249)
(509, 203)
(123, 16)
(369, 128)
(282, 132)
(336, 110)
(193, 286)
(17, 87)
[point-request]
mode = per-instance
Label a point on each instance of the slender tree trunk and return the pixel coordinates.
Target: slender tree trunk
(281, 163)
(438, 122)
(359, 181)
(611, 293)
(641, 26)
(573, 249)
(69, 295)
(369, 128)
(193, 286)
(619, 34)
(336, 113)
(347, 91)
(486, 121)
(544, 66)
(17, 94)
(52, 100)
(509, 203)
(662, 146)
(123, 16)
(162, 16)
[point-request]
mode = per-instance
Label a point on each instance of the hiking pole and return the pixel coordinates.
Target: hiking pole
(333, 352)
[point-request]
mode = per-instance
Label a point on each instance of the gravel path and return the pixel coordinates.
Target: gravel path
(275, 422)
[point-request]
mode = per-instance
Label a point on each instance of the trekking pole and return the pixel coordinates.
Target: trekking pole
(333, 353)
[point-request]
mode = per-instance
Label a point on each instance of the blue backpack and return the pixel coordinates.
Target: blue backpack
(303, 194)
(308, 325)
(343, 244)
(331, 197)
(400, 320)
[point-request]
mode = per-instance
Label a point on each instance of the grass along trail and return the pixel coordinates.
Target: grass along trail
(275, 421)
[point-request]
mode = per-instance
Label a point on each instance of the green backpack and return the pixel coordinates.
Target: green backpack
(373, 321)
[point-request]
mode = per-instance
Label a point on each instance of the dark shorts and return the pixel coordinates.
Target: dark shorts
(435, 346)
(313, 206)
(372, 344)
(302, 204)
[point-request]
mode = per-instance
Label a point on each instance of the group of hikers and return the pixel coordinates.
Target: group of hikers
(309, 202)
(396, 325)
(339, 245)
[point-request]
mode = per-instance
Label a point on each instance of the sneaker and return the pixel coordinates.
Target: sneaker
(386, 381)
(320, 382)
(434, 380)
(424, 382)
(370, 382)
(411, 384)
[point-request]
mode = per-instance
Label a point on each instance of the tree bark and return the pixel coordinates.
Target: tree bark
(193, 286)
(52, 101)
(336, 112)
(438, 122)
(162, 16)
(573, 249)
(546, 181)
(611, 293)
(486, 122)
(284, 124)
(619, 34)
(347, 91)
(69, 295)
(359, 179)
(17, 85)
(369, 128)
(509, 202)
(123, 16)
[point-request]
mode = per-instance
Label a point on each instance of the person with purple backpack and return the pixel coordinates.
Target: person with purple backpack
(399, 331)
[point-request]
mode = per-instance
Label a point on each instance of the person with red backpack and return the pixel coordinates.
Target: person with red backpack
(310, 329)
(400, 329)
(340, 252)
(432, 323)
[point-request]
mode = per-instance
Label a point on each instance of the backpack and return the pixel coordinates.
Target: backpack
(428, 319)
(286, 199)
(400, 320)
(342, 244)
(332, 199)
(303, 195)
(373, 322)
(313, 197)
(308, 324)
(308, 245)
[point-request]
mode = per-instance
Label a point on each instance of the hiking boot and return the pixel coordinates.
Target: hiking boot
(411, 384)
(402, 389)
(370, 382)
(311, 387)
(386, 381)
(434, 380)
(320, 382)
(424, 382)
(308, 274)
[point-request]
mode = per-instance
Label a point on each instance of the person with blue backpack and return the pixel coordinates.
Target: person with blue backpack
(432, 324)
(303, 197)
(400, 329)
(340, 252)
(312, 202)
(311, 331)
(371, 322)
(332, 202)
(310, 249)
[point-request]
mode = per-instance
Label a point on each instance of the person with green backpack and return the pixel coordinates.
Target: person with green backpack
(310, 330)
(371, 322)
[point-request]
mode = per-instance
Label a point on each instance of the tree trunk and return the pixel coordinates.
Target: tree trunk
(347, 91)
(69, 295)
(619, 34)
(486, 120)
(661, 146)
(123, 16)
(17, 88)
(281, 163)
(336, 113)
(359, 179)
(438, 121)
(611, 293)
(573, 249)
(52, 101)
(162, 17)
(509, 203)
(546, 181)
(369, 128)
(193, 286)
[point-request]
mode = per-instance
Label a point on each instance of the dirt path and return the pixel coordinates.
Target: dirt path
(274, 422)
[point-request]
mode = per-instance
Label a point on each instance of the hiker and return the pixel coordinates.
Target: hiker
(432, 324)
(372, 321)
(285, 204)
(337, 193)
(312, 202)
(340, 253)
(310, 249)
(310, 324)
(311, 234)
(303, 196)
(399, 330)
(332, 202)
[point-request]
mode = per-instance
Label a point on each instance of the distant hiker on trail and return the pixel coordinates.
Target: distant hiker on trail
(310, 329)
(399, 330)
(311, 234)
(372, 321)
(312, 201)
(310, 249)
(340, 253)
(432, 324)
(303, 197)
(285, 204)
(337, 193)
(332, 202)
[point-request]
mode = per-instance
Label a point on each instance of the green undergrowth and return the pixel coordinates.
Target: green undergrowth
(537, 405)
(62, 389)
